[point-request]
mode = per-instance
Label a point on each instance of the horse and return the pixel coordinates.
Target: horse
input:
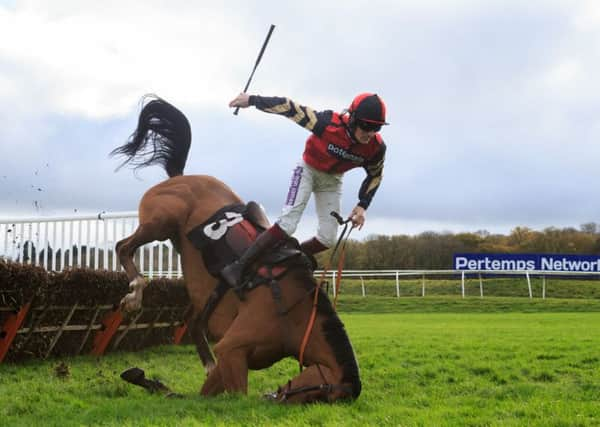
(250, 331)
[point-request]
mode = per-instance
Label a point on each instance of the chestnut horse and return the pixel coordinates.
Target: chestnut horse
(252, 333)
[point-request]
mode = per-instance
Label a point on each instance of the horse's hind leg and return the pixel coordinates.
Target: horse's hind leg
(145, 233)
(125, 250)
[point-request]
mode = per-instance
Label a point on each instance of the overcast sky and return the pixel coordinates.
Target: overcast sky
(494, 105)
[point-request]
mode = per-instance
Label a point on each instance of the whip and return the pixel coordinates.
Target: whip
(260, 54)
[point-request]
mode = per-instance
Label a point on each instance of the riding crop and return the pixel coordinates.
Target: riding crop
(262, 50)
(343, 238)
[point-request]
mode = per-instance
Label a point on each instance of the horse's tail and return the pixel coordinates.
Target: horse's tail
(163, 136)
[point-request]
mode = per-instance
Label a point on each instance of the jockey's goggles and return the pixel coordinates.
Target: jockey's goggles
(368, 126)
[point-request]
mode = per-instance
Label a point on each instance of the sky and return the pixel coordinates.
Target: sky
(494, 105)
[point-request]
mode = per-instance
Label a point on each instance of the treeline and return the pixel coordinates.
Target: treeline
(433, 250)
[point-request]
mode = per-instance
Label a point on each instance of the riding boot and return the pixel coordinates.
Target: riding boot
(312, 246)
(232, 273)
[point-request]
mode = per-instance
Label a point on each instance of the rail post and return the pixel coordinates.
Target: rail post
(544, 287)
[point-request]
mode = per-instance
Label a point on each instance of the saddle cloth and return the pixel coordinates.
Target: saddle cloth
(225, 236)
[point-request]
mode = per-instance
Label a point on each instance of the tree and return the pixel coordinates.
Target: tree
(589, 228)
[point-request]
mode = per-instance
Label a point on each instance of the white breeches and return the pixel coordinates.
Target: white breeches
(327, 189)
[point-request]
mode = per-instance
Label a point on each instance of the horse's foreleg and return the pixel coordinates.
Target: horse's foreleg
(230, 375)
(233, 367)
(231, 372)
(213, 384)
(198, 333)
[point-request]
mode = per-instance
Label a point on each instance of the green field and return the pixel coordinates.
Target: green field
(495, 286)
(431, 361)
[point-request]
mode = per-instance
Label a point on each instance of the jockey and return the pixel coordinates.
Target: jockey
(339, 142)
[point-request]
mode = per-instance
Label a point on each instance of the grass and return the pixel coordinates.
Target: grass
(450, 304)
(424, 361)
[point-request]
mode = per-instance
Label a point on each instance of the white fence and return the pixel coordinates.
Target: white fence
(56, 243)
(89, 241)
(461, 275)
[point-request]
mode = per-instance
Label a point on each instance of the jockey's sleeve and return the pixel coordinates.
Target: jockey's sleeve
(314, 121)
(374, 169)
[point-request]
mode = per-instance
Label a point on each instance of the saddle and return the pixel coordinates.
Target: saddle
(226, 235)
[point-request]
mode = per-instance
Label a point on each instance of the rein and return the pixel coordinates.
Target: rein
(313, 314)
(343, 238)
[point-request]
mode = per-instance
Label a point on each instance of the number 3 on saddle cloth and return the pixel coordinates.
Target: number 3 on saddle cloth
(226, 235)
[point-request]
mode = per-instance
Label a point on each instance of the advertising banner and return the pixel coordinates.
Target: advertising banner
(543, 262)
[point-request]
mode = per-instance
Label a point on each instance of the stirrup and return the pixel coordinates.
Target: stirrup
(232, 274)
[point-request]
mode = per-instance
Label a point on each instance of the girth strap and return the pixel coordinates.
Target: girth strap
(266, 274)
(213, 300)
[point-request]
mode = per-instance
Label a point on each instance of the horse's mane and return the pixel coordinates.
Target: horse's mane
(335, 333)
(336, 336)
(163, 136)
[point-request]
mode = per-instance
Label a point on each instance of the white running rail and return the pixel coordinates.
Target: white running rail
(56, 243)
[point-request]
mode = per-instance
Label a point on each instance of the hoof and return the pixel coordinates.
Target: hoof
(130, 303)
(138, 377)
(133, 300)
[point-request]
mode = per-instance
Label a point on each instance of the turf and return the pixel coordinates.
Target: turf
(424, 361)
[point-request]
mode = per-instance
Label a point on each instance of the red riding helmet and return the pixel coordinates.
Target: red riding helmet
(368, 107)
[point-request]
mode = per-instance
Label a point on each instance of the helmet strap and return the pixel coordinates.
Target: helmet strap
(351, 126)
(352, 120)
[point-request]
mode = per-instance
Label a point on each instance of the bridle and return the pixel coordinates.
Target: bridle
(282, 395)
